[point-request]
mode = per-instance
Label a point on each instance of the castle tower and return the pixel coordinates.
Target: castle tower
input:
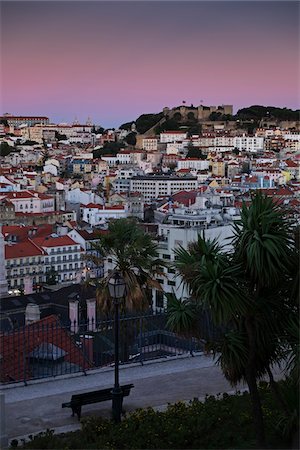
(3, 280)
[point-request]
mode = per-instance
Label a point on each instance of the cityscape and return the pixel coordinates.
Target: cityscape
(149, 225)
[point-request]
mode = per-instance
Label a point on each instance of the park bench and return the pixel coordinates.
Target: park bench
(87, 398)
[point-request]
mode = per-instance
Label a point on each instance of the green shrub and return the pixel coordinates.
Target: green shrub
(224, 421)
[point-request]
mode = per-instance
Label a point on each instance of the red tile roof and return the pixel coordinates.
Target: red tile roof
(17, 345)
(292, 164)
(185, 198)
(22, 249)
(23, 232)
(50, 241)
(26, 194)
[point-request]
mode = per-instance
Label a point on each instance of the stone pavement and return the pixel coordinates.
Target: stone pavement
(37, 406)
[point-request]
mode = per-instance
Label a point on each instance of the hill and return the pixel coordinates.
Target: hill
(191, 118)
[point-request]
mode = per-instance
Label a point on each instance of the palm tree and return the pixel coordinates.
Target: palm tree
(135, 256)
(181, 315)
(246, 291)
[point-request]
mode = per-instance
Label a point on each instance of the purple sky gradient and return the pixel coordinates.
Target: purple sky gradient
(114, 61)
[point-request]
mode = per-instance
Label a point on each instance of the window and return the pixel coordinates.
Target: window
(159, 299)
(171, 283)
(165, 256)
(171, 271)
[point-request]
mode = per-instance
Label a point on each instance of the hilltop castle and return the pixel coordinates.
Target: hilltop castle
(197, 112)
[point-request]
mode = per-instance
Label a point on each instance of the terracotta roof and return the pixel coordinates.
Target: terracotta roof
(18, 344)
(186, 198)
(91, 236)
(292, 164)
(27, 194)
(50, 241)
(24, 232)
(91, 205)
(22, 250)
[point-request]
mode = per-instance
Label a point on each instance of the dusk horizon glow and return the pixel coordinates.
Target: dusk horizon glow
(113, 61)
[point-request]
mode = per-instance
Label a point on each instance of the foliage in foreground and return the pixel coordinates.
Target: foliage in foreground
(219, 422)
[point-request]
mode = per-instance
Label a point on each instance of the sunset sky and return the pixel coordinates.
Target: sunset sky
(116, 60)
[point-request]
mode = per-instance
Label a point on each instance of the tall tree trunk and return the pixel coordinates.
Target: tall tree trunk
(256, 409)
(251, 381)
(277, 393)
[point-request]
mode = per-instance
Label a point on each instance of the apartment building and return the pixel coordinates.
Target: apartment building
(150, 144)
(251, 144)
(171, 237)
(62, 254)
(33, 257)
(81, 166)
(98, 214)
(31, 202)
(172, 136)
(155, 186)
(23, 259)
(16, 121)
(192, 163)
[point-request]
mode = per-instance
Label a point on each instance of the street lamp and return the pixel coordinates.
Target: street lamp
(116, 286)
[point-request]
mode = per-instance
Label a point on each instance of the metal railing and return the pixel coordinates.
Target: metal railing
(46, 348)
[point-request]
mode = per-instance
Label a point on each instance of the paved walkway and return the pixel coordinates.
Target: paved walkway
(36, 407)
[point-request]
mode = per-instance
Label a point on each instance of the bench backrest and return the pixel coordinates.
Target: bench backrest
(102, 394)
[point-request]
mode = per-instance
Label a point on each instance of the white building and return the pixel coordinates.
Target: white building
(171, 237)
(31, 202)
(87, 240)
(154, 186)
(172, 136)
(33, 258)
(84, 197)
(99, 215)
(63, 255)
(251, 144)
(291, 136)
(110, 159)
(192, 163)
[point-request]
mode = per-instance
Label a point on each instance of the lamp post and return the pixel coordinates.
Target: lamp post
(116, 288)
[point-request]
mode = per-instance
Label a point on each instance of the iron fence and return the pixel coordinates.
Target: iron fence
(47, 349)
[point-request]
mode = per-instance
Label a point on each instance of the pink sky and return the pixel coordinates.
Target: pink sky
(115, 61)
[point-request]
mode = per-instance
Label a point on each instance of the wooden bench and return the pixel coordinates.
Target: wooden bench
(87, 398)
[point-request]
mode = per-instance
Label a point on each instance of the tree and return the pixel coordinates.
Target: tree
(195, 129)
(60, 137)
(194, 152)
(6, 149)
(126, 126)
(248, 291)
(131, 139)
(135, 256)
(4, 122)
(51, 276)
